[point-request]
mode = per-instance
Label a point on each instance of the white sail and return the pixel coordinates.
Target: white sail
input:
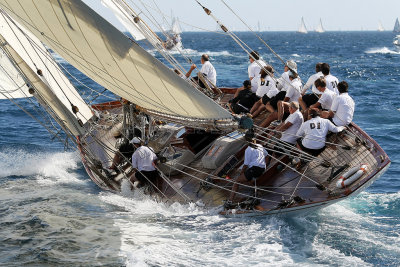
(302, 28)
(12, 84)
(396, 26)
(36, 56)
(176, 27)
(320, 28)
(126, 20)
(380, 27)
(104, 54)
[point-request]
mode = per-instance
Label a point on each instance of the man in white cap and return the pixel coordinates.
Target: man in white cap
(143, 160)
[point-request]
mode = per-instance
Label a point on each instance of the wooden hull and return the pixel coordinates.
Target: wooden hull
(276, 189)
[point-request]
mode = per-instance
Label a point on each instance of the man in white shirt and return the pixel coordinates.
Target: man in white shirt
(255, 164)
(254, 69)
(265, 91)
(292, 94)
(331, 81)
(326, 98)
(342, 109)
(143, 161)
(306, 100)
(208, 71)
(314, 132)
(289, 128)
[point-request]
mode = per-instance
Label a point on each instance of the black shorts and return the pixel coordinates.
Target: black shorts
(313, 152)
(310, 99)
(274, 100)
(238, 109)
(253, 173)
(265, 99)
(145, 177)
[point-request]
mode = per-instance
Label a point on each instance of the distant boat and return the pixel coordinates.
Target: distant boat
(396, 26)
(320, 28)
(302, 28)
(380, 27)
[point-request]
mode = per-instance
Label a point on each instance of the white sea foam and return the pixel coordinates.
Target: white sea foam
(382, 50)
(45, 166)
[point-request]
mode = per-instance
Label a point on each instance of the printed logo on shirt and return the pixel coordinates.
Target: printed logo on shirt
(312, 125)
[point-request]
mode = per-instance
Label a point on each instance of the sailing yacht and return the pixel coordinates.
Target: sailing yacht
(320, 28)
(200, 144)
(302, 28)
(396, 28)
(380, 27)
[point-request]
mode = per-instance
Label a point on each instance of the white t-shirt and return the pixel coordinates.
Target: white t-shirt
(315, 131)
(310, 83)
(343, 106)
(263, 87)
(293, 92)
(254, 72)
(143, 159)
(326, 99)
(255, 156)
(284, 82)
(289, 135)
(209, 70)
(331, 83)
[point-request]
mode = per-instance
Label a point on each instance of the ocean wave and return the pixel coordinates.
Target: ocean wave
(43, 165)
(383, 50)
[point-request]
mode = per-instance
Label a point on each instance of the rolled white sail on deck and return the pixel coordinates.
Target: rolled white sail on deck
(105, 55)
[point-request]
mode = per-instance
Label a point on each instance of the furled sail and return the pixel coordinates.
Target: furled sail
(302, 28)
(12, 84)
(104, 54)
(36, 56)
(396, 26)
(320, 28)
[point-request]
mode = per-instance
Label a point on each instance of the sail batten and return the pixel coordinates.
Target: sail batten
(107, 56)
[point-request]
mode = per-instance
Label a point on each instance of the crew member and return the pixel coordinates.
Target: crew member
(143, 160)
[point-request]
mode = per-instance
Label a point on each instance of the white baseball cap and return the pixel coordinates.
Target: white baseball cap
(136, 140)
(292, 65)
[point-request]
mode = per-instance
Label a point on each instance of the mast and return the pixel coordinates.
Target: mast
(302, 28)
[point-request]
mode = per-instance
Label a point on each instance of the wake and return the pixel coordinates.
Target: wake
(383, 50)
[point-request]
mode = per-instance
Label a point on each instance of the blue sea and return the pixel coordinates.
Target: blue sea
(51, 214)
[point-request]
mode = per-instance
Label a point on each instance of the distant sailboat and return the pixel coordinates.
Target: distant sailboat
(302, 28)
(320, 28)
(396, 26)
(380, 27)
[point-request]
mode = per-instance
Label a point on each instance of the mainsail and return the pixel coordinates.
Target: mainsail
(396, 26)
(302, 28)
(320, 28)
(176, 27)
(107, 56)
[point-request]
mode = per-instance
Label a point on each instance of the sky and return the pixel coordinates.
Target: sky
(345, 15)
